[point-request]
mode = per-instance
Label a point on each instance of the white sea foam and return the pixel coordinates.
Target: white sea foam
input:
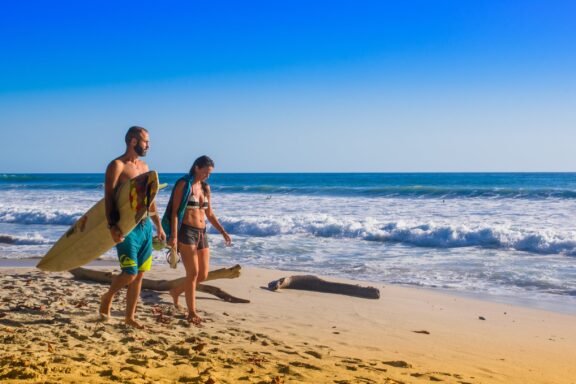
(33, 215)
(499, 246)
(34, 239)
(423, 235)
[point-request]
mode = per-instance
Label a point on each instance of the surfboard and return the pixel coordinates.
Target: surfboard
(89, 237)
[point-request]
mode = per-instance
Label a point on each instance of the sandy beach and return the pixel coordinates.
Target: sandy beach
(50, 333)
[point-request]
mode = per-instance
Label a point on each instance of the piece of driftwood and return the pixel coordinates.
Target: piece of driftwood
(220, 293)
(165, 285)
(155, 285)
(314, 283)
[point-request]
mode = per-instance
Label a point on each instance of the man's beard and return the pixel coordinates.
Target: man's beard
(140, 151)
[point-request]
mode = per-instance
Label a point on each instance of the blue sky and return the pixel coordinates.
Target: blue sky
(290, 86)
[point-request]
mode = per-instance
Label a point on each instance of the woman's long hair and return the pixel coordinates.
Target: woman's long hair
(202, 162)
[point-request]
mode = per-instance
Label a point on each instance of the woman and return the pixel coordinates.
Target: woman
(185, 225)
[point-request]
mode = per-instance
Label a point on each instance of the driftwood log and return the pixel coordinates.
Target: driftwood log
(314, 283)
(165, 285)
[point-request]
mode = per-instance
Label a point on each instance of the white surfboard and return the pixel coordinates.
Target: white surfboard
(89, 237)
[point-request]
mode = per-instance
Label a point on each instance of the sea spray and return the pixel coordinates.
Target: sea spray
(496, 234)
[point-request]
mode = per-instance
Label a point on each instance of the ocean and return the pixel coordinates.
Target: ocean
(508, 237)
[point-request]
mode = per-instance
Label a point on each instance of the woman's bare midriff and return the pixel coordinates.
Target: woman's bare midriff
(194, 218)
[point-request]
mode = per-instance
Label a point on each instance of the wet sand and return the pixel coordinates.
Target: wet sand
(50, 332)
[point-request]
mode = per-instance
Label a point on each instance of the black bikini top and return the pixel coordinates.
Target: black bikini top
(195, 204)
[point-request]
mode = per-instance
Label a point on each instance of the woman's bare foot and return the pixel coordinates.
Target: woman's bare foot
(133, 323)
(175, 298)
(194, 319)
(105, 304)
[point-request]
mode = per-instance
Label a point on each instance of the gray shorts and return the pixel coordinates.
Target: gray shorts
(193, 236)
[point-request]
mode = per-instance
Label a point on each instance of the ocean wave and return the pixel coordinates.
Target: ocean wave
(431, 192)
(434, 186)
(52, 187)
(425, 235)
(21, 215)
(62, 181)
(409, 192)
(35, 239)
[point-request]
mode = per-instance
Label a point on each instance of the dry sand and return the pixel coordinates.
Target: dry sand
(49, 332)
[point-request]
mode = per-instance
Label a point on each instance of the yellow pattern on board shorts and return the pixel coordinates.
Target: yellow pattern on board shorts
(135, 252)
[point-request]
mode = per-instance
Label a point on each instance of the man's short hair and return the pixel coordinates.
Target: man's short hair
(134, 133)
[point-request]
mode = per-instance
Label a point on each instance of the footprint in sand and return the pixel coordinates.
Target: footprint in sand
(286, 370)
(350, 360)
(77, 335)
(111, 375)
(287, 352)
(160, 340)
(135, 349)
(300, 364)
(160, 352)
(397, 364)
(80, 358)
(181, 350)
(368, 380)
(141, 362)
(314, 354)
(60, 360)
(433, 376)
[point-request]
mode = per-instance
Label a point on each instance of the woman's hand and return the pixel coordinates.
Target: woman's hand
(171, 243)
(227, 238)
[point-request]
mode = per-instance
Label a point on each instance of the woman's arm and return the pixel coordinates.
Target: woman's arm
(214, 220)
(176, 199)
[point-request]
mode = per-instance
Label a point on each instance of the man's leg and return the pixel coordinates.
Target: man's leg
(127, 256)
(132, 297)
(144, 262)
(118, 283)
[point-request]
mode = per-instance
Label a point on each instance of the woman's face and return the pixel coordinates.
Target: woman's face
(203, 173)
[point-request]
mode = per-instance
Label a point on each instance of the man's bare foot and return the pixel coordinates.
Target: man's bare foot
(133, 323)
(194, 319)
(175, 298)
(105, 304)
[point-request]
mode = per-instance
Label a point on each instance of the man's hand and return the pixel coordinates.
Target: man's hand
(160, 233)
(116, 234)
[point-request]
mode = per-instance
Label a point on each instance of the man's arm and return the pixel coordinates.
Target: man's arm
(113, 173)
(153, 211)
(156, 220)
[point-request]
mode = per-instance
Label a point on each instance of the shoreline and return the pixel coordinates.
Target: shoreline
(559, 306)
(408, 335)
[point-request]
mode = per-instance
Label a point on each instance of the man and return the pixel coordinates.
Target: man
(134, 249)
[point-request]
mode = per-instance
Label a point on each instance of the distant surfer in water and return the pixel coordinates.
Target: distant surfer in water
(185, 225)
(134, 248)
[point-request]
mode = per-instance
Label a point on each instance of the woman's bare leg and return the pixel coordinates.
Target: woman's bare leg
(190, 261)
(203, 264)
